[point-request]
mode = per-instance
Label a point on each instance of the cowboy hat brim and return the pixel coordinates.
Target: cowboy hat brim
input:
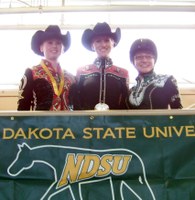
(89, 35)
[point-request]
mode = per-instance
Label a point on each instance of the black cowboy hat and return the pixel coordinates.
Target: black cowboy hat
(143, 45)
(51, 32)
(100, 29)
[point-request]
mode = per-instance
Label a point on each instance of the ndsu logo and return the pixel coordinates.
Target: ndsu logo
(85, 166)
(123, 168)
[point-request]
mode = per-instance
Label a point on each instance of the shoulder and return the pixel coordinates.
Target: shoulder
(172, 80)
(87, 69)
(28, 73)
(120, 71)
(28, 70)
(37, 69)
(166, 79)
(162, 77)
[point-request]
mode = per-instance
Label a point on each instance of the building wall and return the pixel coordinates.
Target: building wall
(8, 99)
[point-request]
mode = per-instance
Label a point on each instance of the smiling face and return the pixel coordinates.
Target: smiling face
(52, 49)
(144, 62)
(102, 45)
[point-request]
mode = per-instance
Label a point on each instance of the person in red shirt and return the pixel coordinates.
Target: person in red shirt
(46, 86)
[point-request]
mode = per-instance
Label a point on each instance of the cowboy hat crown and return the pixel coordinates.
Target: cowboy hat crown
(51, 32)
(100, 29)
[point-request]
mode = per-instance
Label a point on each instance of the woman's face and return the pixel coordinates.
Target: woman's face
(102, 45)
(144, 62)
(52, 49)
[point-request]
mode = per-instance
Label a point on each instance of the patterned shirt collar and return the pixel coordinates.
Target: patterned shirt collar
(98, 62)
(50, 67)
(146, 77)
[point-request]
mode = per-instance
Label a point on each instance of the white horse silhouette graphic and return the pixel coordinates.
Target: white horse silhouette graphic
(79, 166)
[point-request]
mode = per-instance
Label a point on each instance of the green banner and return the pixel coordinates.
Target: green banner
(93, 156)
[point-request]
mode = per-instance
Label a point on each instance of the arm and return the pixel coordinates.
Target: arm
(175, 100)
(74, 98)
(76, 92)
(125, 91)
(26, 91)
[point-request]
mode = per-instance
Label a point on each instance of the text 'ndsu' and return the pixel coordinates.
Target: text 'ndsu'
(84, 166)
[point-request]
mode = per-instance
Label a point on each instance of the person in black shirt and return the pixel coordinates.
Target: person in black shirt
(152, 91)
(102, 85)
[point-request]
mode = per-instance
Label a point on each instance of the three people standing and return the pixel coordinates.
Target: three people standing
(100, 85)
